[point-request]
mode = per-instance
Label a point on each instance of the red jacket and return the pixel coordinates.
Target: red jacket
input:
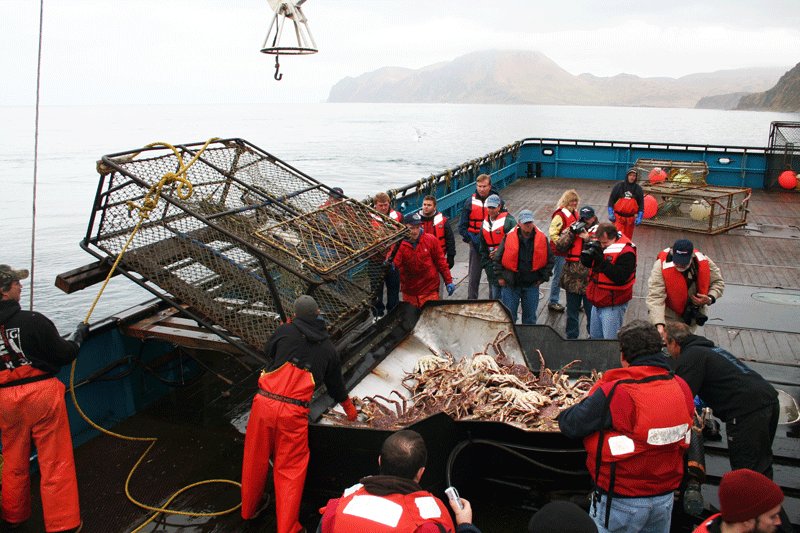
(602, 291)
(420, 264)
(675, 282)
(647, 441)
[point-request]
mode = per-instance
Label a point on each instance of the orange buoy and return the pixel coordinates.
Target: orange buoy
(657, 175)
(788, 179)
(650, 206)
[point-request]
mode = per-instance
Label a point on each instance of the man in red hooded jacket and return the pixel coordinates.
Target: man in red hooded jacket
(421, 261)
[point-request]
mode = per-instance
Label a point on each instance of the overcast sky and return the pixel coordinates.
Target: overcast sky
(207, 51)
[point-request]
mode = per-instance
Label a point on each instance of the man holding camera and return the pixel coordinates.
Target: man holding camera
(575, 276)
(683, 282)
(611, 260)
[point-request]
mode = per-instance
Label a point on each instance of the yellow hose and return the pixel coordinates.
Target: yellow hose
(150, 201)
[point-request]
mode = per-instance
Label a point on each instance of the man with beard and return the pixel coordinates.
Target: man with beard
(749, 502)
(626, 204)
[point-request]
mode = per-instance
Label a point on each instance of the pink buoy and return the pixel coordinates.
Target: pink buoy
(650, 206)
(788, 179)
(657, 175)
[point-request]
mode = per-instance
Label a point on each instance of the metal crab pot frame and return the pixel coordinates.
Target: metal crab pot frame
(703, 209)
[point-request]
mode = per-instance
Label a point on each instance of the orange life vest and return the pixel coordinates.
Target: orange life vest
(567, 218)
(676, 284)
(510, 259)
(477, 215)
(574, 253)
(601, 290)
(493, 231)
(646, 446)
(436, 228)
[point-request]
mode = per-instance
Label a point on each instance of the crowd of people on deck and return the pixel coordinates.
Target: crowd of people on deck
(635, 446)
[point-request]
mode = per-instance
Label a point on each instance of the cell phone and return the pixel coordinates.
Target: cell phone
(452, 495)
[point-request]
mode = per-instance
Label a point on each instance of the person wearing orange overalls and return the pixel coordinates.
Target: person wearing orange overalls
(303, 357)
(626, 204)
(33, 409)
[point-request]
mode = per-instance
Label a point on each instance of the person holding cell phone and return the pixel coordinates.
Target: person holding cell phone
(394, 501)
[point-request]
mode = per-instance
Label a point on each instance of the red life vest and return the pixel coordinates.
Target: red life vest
(493, 231)
(703, 528)
(358, 510)
(574, 253)
(646, 445)
(477, 215)
(377, 220)
(567, 218)
(601, 291)
(435, 227)
(676, 284)
(511, 252)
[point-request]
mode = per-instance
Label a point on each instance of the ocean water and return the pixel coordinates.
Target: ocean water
(363, 148)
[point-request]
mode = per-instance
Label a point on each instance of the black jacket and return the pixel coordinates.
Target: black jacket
(307, 345)
(35, 337)
(623, 187)
(723, 382)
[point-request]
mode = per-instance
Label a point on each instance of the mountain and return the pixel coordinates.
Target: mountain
(529, 77)
(784, 96)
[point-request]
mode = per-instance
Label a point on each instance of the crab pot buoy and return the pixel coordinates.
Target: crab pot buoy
(682, 177)
(650, 206)
(788, 179)
(700, 210)
(657, 175)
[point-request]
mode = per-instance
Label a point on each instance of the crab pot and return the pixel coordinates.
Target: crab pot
(237, 244)
(702, 209)
(669, 171)
(480, 457)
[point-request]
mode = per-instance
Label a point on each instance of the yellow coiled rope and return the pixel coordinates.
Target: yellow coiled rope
(183, 189)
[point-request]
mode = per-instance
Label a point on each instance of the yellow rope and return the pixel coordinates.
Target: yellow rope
(183, 189)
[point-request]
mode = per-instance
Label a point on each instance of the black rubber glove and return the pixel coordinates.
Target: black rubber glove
(451, 260)
(80, 334)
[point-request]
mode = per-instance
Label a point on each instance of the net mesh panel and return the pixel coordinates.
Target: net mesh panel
(703, 209)
(254, 235)
(783, 152)
(683, 172)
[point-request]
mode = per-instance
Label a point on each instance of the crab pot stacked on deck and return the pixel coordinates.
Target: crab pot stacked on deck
(254, 235)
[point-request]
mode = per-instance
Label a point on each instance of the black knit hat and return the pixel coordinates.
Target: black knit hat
(561, 517)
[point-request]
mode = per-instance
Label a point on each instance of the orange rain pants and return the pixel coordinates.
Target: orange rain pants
(278, 430)
(36, 411)
(625, 224)
(419, 300)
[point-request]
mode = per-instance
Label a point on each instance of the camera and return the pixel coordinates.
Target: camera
(592, 252)
(578, 227)
(692, 313)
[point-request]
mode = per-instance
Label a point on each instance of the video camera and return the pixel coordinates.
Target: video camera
(577, 227)
(591, 253)
(692, 313)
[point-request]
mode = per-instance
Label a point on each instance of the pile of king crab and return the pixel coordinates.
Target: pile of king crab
(484, 386)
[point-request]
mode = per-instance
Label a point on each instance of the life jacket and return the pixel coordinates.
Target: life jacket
(676, 284)
(703, 528)
(359, 510)
(642, 455)
(511, 252)
(493, 231)
(574, 253)
(377, 220)
(435, 227)
(567, 218)
(15, 367)
(477, 214)
(601, 290)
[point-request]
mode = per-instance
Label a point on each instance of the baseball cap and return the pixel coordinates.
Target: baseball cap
(682, 252)
(586, 213)
(745, 494)
(9, 274)
(493, 201)
(412, 218)
(337, 192)
(525, 216)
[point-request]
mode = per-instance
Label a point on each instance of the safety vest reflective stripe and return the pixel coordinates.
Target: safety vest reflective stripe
(675, 284)
(476, 215)
(494, 230)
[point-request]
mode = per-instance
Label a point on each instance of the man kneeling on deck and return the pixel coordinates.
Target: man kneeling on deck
(394, 501)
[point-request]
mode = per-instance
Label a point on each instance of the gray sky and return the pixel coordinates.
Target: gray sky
(207, 51)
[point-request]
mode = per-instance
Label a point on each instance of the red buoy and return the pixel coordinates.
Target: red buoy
(788, 179)
(657, 175)
(650, 206)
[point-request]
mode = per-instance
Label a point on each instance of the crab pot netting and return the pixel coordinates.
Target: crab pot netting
(703, 209)
(253, 236)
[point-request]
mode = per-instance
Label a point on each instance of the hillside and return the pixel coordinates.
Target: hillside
(784, 96)
(529, 77)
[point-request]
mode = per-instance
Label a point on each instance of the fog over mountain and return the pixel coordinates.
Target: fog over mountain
(529, 77)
